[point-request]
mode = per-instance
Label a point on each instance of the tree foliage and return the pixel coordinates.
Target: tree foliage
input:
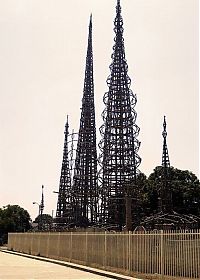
(13, 218)
(140, 204)
(185, 188)
(45, 218)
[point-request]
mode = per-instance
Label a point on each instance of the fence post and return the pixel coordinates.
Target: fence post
(31, 246)
(86, 246)
(162, 255)
(47, 248)
(58, 246)
(71, 246)
(129, 252)
(39, 242)
(12, 241)
(105, 249)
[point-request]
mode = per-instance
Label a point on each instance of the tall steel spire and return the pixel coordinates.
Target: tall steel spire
(167, 218)
(85, 173)
(119, 145)
(165, 155)
(63, 213)
(165, 191)
(42, 202)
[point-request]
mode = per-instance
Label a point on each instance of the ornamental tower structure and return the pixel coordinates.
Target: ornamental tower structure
(63, 212)
(119, 146)
(84, 189)
(165, 190)
(166, 218)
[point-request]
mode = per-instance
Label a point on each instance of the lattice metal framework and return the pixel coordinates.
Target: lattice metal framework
(165, 190)
(85, 173)
(63, 213)
(167, 218)
(42, 202)
(119, 145)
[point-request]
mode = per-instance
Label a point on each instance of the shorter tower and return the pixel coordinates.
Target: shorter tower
(165, 192)
(41, 209)
(167, 218)
(42, 202)
(63, 212)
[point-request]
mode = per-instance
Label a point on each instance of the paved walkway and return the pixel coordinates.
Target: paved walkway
(18, 267)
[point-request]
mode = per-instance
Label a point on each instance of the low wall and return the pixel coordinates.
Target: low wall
(162, 255)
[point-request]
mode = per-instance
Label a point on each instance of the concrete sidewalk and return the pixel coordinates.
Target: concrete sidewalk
(15, 265)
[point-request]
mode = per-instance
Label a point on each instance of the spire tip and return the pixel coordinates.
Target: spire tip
(90, 23)
(90, 19)
(164, 123)
(118, 5)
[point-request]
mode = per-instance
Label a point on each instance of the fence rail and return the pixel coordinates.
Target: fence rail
(162, 255)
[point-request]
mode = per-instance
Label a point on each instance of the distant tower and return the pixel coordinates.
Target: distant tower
(41, 208)
(63, 212)
(42, 202)
(165, 190)
(119, 145)
(85, 173)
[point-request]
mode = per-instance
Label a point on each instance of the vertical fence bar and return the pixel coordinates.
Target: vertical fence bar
(171, 253)
(158, 248)
(187, 254)
(166, 251)
(161, 255)
(105, 249)
(129, 252)
(182, 253)
(86, 248)
(198, 255)
(137, 255)
(182, 256)
(38, 249)
(31, 247)
(190, 253)
(71, 246)
(194, 254)
(47, 248)
(154, 255)
(147, 252)
(58, 244)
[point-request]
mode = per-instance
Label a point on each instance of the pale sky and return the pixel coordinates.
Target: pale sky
(42, 62)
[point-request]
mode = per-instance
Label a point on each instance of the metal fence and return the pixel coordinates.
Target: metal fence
(161, 255)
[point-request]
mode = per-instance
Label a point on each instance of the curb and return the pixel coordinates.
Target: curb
(73, 265)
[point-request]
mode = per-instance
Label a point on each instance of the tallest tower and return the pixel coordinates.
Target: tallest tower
(85, 174)
(119, 145)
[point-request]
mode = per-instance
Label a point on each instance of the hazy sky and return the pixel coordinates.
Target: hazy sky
(42, 62)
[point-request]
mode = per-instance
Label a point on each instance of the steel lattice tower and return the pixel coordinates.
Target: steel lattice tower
(119, 145)
(42, 202)
(165, 190)
(167, 218)
(63, 212)
(85, 174)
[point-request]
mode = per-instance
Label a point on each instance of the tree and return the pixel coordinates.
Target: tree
(13, 218)
(140, 203)
(45, 221)
(185, 188)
